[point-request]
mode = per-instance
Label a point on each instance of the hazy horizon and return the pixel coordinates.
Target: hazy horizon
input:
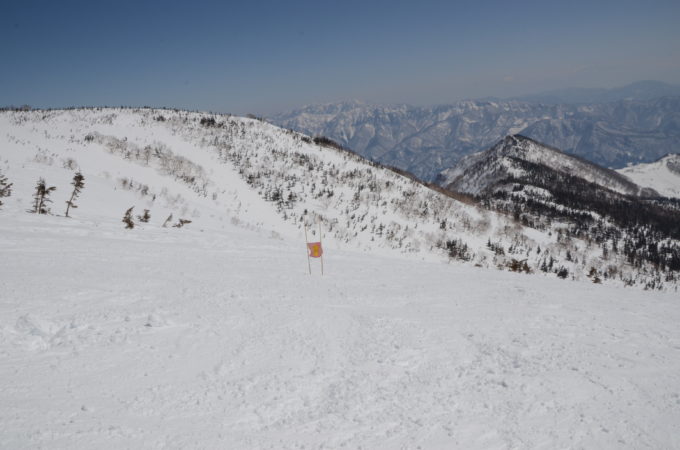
(271, 57)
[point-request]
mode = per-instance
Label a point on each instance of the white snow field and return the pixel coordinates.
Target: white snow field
(214, 335)
(662, 175)
(111, 338)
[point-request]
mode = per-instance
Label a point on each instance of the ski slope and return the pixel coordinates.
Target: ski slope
(214, 335)
(166, 338)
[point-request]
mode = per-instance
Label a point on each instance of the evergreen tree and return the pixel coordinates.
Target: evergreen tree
(42, 197)
(144, 217)
(78, 184)
(5, 188)
(127, 219)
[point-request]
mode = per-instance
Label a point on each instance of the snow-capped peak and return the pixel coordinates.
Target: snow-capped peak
(480, 171)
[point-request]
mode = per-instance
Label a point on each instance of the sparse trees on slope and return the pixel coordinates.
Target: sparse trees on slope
(127, 219)
(42, 197)
(5, 188)
(78, 184)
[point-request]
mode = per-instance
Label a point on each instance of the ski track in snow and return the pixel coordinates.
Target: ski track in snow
(165, 339)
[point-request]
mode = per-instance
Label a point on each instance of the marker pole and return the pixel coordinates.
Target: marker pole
(309, 265)
(321, 247)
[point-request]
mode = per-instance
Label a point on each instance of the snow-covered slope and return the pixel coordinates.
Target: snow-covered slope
(115, 339)
(481, 171)
(541, 186)
(214, 335)
(663, 175)
(219, 170)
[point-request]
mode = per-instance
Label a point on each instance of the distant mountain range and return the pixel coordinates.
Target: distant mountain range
(640, 125)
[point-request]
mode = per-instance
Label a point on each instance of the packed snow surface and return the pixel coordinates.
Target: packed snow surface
(167, 338)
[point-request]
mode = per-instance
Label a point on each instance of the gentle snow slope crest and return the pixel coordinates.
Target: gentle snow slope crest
(663, 175)
(114, 339)
(219, 170)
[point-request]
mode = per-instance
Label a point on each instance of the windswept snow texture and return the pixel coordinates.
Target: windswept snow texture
(663, 175)
(165, 339)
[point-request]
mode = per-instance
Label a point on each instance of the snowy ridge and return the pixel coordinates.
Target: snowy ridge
(541, 186)
(220, 170)
(481, 171)
(663, 175)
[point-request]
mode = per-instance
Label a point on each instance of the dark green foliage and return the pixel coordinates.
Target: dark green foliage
(41, 197)
(457, 249)
(78, 184)
(518, 266)
(497, 248)
(144, 217)
(327, 142)
(5, 188)
(127, 219)
(208, 122)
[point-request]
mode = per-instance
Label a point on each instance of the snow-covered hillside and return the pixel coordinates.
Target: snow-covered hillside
(541, 186)
(218, 170)
(164, 338)
(663, 175)
(213, 335)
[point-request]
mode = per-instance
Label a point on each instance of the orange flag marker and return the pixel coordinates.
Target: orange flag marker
(315, 249)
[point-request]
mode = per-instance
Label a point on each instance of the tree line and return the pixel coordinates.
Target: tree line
(42, 201)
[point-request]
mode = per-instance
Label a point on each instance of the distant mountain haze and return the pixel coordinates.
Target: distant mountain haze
(640, 124)
(640, 90)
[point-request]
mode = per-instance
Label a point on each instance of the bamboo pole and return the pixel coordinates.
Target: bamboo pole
(309, 265)
(320, 247)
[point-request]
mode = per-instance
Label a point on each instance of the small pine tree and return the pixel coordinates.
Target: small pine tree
(127, 219)
(5, 188)
(78, 184)
(42, 197)
(144, 217)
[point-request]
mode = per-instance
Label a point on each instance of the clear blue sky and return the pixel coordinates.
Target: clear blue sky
(267, 56)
